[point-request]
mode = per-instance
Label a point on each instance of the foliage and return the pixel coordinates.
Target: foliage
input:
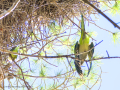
(116, 37)
(46, 35)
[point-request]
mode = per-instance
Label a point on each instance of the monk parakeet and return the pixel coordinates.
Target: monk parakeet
(81, 47)
(12, 56)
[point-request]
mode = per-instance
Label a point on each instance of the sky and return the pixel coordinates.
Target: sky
(110, 67)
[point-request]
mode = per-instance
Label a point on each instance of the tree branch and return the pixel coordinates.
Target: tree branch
(99, 11)
(10, 9)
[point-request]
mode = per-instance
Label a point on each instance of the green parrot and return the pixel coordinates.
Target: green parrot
(81, 47)
(11, 56)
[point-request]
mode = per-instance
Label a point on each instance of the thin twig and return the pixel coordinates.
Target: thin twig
(101, 28)
(107, 53)
(26, 84)
(10, 9)
(79, 27)
(2, 76)
(60, 56)
(99, 11)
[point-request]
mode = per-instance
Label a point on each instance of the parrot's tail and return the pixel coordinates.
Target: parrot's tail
(78, 67)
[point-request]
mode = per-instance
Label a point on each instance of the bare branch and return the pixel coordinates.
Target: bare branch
(115, 25)
(10, 9)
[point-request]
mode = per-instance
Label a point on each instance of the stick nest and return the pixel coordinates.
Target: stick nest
(16, 27)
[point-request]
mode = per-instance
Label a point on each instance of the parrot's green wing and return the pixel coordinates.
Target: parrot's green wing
(90, 55)
(14, 49)
(77, 63)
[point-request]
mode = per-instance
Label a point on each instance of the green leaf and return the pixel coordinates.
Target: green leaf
(116, 37)
(42, 73)
(59, 73)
